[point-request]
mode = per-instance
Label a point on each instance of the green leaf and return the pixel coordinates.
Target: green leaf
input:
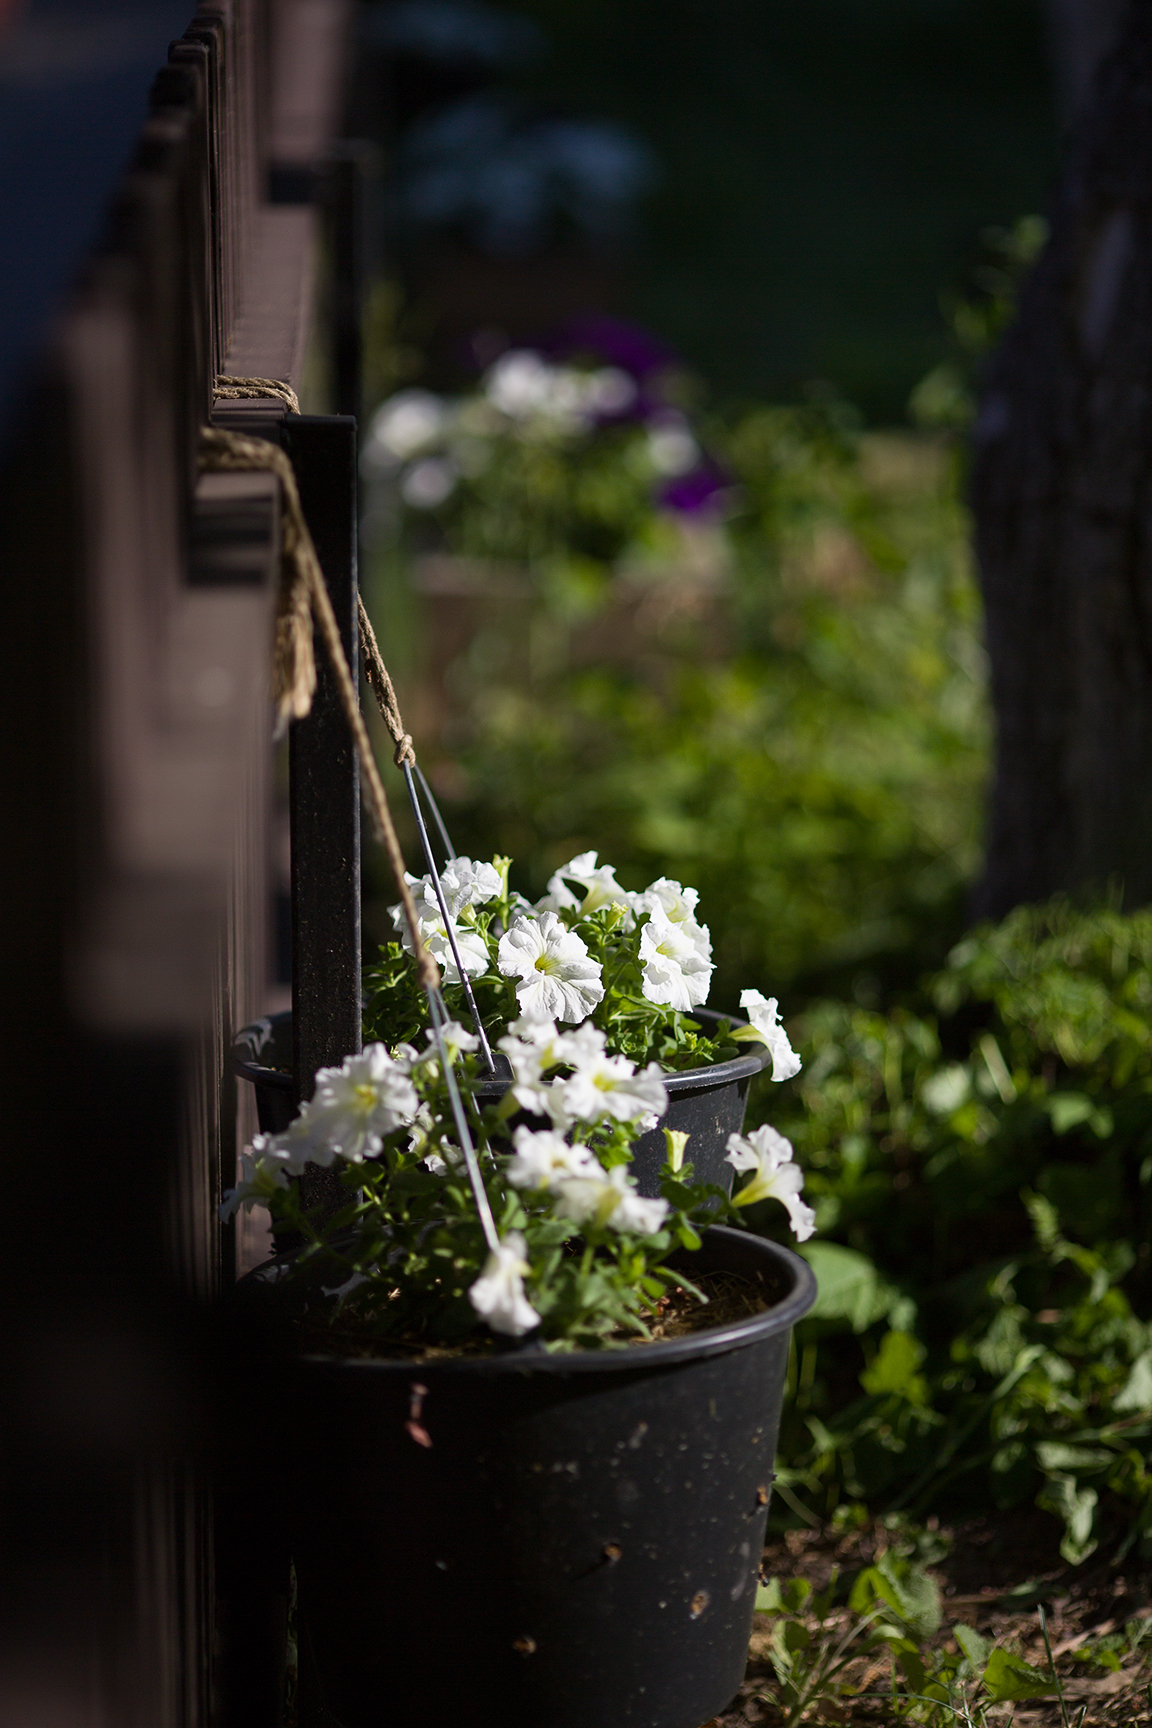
(919, 1595)
(848, 1286)
(1077, 1506)
(1010, 1680)
(910, 1661)
(902, 1586)
(795, 1635)
(972, 1645)
(1056, 1455)
(870, 1586)
(1136, 1392)
(893, 1369)
(1068, 1110)
(795, 1593)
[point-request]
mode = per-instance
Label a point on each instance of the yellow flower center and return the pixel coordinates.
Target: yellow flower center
(365, 1095)
(545, 963)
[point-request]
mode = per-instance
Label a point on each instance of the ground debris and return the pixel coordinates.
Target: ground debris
(992, 1574)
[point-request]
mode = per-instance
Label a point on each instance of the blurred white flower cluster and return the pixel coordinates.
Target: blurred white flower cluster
(426, 445)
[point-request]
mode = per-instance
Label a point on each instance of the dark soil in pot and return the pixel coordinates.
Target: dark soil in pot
(542, 1541)
(706, 1103)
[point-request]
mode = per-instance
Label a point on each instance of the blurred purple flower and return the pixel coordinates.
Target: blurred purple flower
(705, 491)
(613, 341)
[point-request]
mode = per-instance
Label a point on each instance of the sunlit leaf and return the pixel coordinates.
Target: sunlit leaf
(1009, 1679)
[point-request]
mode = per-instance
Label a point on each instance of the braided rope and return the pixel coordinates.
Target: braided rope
(384, 691)
(230, 389)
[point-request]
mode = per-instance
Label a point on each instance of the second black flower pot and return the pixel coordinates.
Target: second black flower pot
(527, 1540)
(705, 1103)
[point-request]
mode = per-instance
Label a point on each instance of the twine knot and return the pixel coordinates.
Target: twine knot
(384, 691)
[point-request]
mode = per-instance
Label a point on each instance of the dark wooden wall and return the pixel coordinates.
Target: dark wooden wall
(136, 810)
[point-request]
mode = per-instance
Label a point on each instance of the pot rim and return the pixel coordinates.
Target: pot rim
(662, 1353)
(676, 1080)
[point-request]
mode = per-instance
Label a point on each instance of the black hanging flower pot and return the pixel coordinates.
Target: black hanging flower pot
(535, 1540)
(705, 1103)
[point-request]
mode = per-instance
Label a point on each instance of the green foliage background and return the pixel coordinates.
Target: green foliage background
(787, 713)
(981, 1164)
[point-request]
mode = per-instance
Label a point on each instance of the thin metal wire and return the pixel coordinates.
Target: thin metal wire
(449, 927)
(438, 1014)
(449, 849)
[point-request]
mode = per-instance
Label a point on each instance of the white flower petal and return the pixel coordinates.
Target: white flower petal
(609, 1199)
(676, 972)
(559, 979)
(610, 1086)
(408, 423)
(263, 1169)
(543, 1159)
(498, 1294)
(456, 1041)
(434, 935)
(766, 1028)
(353, 1108)
(768, 1155)
(598, 882)
(467, 884)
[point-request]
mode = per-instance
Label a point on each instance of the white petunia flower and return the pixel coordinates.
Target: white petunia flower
(498, 1294)
(263, 1169)
(634, 1214)
(766, 1029)
(679, 907)
(605, 1085)
(429, 482)
(679, 903)
(457, 1041)
(529, 389)
(537, 1031)
(774, 1176)
(559, 979)
(464, 884)
(672, 450)
(352, 1109)
(598, 882)
(449, 1160)
(530, 1046)
(407, 424)
(544, 1159)
(610, 390)
(434, 935)
(675, 970)
(520, 383)
(580, 1048)
(609, 1198)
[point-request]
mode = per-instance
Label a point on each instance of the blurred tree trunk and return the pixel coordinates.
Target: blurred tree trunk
(1081, 33)
(1062, 494)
